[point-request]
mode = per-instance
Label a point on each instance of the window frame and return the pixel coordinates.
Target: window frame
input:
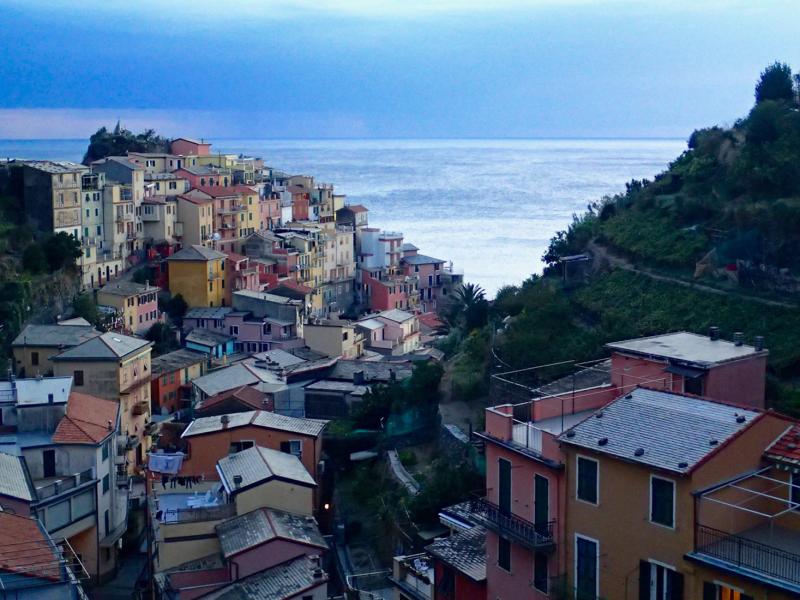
(586, 538)
(653, 477)
(500, 541)
(578, 458)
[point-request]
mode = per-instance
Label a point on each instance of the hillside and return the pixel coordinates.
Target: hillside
(713, 240)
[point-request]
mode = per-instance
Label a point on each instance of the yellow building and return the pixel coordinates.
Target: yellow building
(115, 367)
(135, 303)
(198, 274)
(195, 219)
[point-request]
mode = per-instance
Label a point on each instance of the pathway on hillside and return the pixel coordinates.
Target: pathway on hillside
(614, 260)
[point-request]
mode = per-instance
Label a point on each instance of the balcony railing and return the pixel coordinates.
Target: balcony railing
(748, 554)
(65, 483)
(527, 435)
(536, 536)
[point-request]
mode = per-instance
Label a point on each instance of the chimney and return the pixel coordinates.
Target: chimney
(224, 419)
(758, 342)
(358, 377)
(713, 333)
(237, 481)
(392, 375)
(738, 338)
(110, 425)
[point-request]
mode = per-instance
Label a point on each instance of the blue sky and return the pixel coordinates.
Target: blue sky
(361, 68)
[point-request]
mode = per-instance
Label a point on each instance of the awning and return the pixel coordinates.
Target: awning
(686, 372)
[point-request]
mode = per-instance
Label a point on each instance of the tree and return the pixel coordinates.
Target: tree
(34, 259)
(775, 83)
(141, 275)
(120, 141)
(85, 306)
(176, 307)
(468, 308)
(62, 250)
(163, 338)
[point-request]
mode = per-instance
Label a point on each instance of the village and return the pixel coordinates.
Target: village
(256, 414)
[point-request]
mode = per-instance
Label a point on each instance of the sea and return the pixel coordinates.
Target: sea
(489, 206)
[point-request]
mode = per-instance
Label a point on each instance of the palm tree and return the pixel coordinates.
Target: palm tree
(468, 307)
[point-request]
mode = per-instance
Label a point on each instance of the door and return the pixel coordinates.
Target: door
(49, 463)
(541, 503)
(504, 487)
(586, 583)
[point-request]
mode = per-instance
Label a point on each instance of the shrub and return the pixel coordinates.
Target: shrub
(33, 259)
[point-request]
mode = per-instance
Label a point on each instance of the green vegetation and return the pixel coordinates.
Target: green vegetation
(120, 141)
(85, 307)
(163, 338)
(176, 307)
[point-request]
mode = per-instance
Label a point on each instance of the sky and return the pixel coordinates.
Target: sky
(384, 69)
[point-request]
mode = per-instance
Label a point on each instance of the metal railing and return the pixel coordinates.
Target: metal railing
(527, 435)
(749, 554)
(538, 536)
(66, 483)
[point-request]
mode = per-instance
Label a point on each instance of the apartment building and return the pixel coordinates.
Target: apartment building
(135, 303)
(198, 274)
(35, 346)
(171, 376)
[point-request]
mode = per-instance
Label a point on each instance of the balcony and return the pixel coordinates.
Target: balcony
(538, 536)
(232, 210)
(54, 486)
(140, 408)
(125, 443)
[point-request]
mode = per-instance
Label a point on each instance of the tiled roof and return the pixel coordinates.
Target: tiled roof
(196, 252)
(430, 320)
(421, 259)
(464, 551)
(246, 395)
(370, 323)
(227, 378)
(87, 420)
(176, 360)
(281, 582)
(257, 418)
(55, 335)
(108, 346)
(357, 208)
(396, 315)
(192, 141)
(127, 288)
(257, 465)
(660, 429)
(205, 337)
(684, 346)
(218, 191)
(263, 525)
(14, 479)
(121, 160)
(786, 448)
(208, 312)
(26, 550)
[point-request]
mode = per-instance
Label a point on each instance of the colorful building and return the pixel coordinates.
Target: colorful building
(172, 374)
(198, 274)
(135, 303)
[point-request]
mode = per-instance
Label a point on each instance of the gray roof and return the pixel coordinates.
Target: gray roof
(267, 297)
(121, 160)
(14, 480)
(37, 390)
(593, 376)
(225, 379)
(370, 323)
(687, 347)
(263, 525)
(55, 335)
(346, 387)
(421, 259)
(173, 361)
(257, 465)
(396, 315)
(408, 246)
(465, 551)
(127, 288)
(205, 337)
(283, 581)
(257, 418)
(208, 312)
(108, 346)
(197, 252)
(673, 432)
(55, 166)
(280, 357)
(373, 370)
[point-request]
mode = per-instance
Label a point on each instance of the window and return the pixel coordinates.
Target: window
(587, 576)
(587, 480)
(540, 572)
(34, 358)
(234, 330)
(344, 336)
(106, 481)
(693, 385)
(659, 582)
(293, 447)
(77, 377)
(105, 451)
(662, 501)
(239, 446)
(503, 553)
(719, 591)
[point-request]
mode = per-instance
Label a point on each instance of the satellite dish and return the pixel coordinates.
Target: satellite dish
(216, 237)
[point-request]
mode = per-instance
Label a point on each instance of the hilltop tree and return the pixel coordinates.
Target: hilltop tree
(120, 141)
(62, 250)
(775, 83)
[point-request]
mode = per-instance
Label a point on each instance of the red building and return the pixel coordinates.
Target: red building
(188, 146)
(171, 376)
(300, 202)
(459, 563)
(239, 275)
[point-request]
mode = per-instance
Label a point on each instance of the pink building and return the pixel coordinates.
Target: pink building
(270, 210)
(429, 271)
(387, 292)
(251, 334)
(240, 275)
(201, 176)
(524, 506)
(188, 146)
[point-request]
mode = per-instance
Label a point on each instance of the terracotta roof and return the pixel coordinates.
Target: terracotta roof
(86, 421)
(293, 285)
(247, 395)
(357, 208)
(430, 319)
(194, 199)
(232, 256)
(221, 191)
(787, 447)
(26, 550)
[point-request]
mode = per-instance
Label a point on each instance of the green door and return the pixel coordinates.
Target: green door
(504, 501)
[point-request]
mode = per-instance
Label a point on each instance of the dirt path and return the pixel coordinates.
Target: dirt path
(619, 262)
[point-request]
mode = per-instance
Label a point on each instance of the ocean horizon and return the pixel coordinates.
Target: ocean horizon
(489, 205)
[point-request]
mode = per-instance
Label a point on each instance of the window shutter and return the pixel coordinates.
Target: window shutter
(709, 591)
(644, 580)
(286, 447)
(676, 585)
